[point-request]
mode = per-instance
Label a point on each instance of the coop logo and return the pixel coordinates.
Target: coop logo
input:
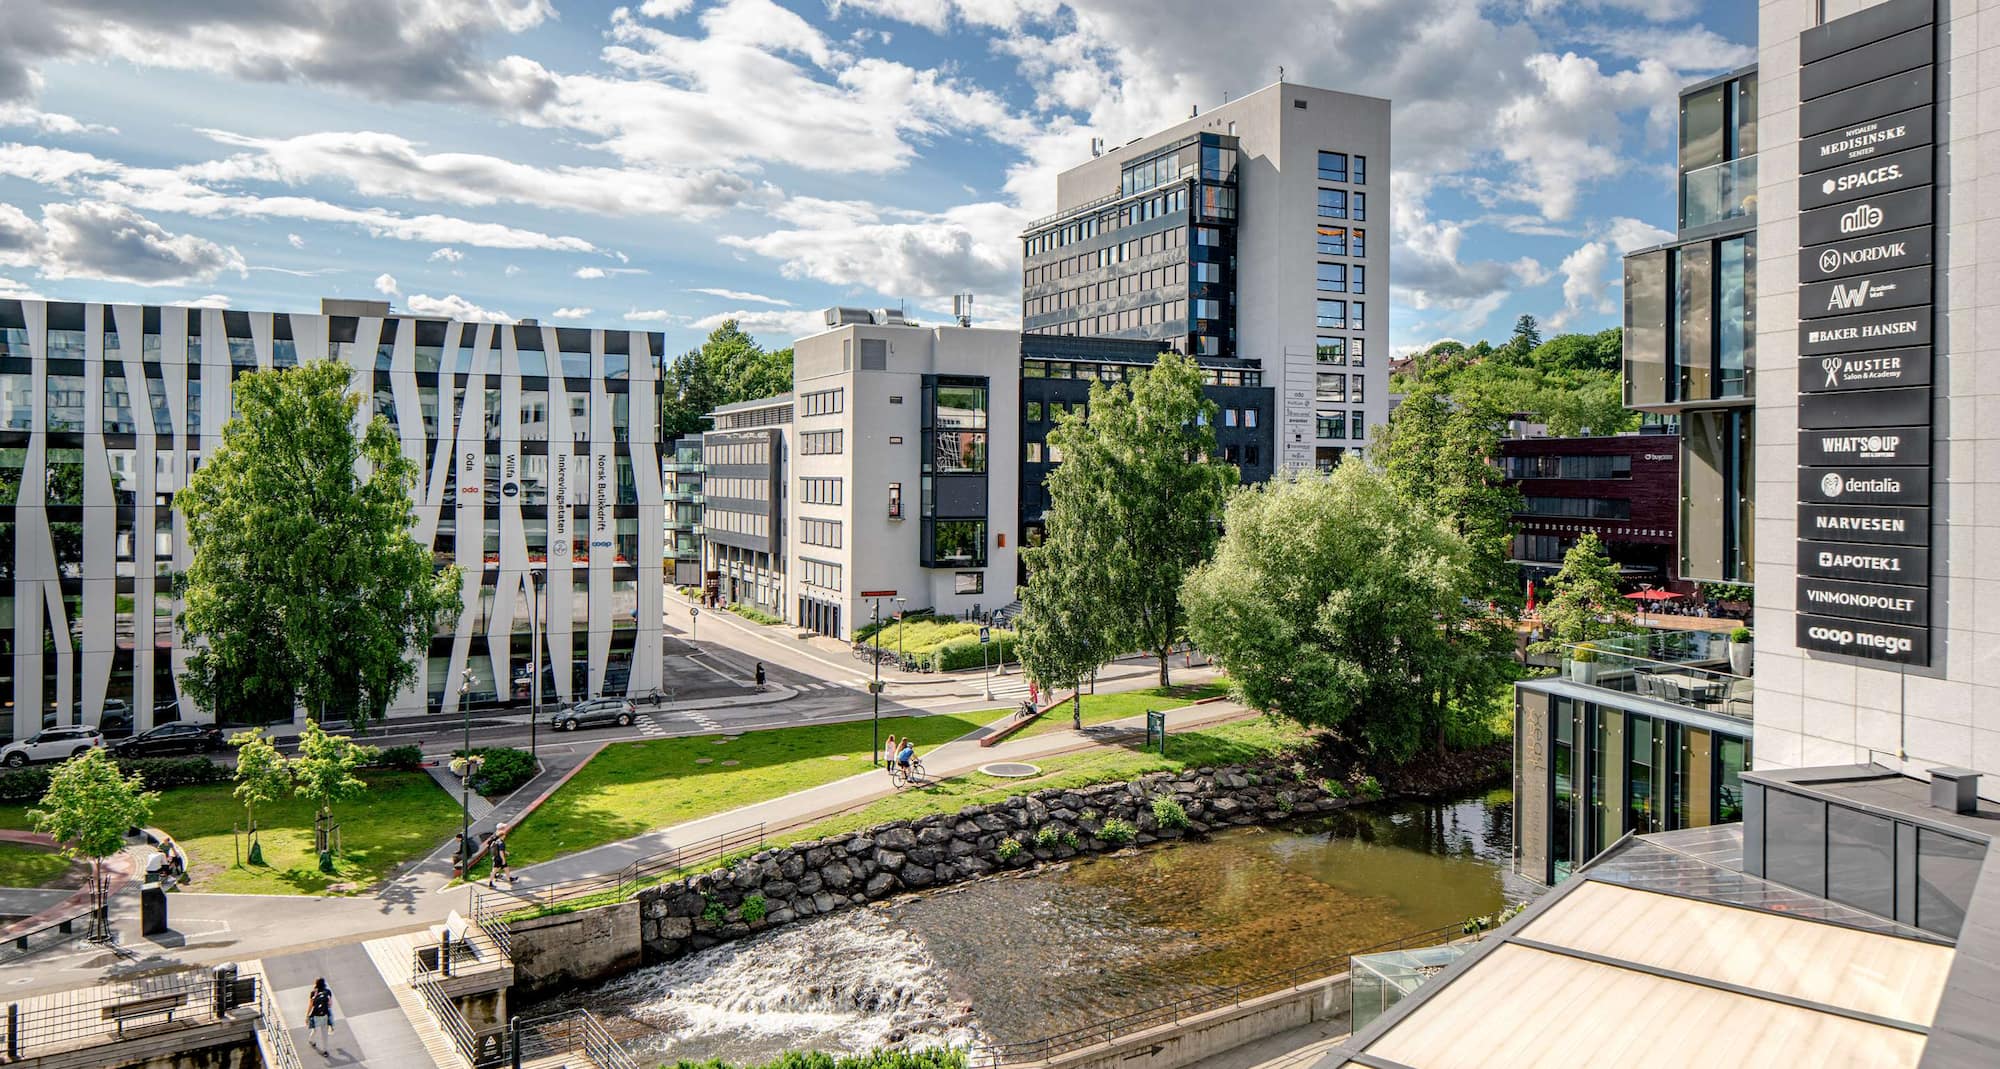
(1831, 485)
(1852, 298)
(1874, 176)
(1863, 218)
(1843, 637)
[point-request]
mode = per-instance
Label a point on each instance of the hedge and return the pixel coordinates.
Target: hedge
(28, 784)
(404, 758)
(504, 769)
(961, 653)
(754, 614)
(940, 1058)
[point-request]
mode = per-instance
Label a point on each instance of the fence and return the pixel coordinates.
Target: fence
(575, 1032)
(82, 1017)
(1191, 1005)
(489, 906)
(276, 1040)
(445, 1012)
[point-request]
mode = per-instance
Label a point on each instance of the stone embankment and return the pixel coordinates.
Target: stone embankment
(777, 886)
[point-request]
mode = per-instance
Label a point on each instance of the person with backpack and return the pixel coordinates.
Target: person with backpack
(319, 1017)
(497, 849)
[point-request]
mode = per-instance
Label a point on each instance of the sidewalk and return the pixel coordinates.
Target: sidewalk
(954, 758)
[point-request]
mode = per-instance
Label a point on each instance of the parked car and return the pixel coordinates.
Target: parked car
(51, 744)
(171, 739)
(116, 718)
(594, 713)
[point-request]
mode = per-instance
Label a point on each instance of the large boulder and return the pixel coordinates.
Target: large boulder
(889, 859)
(881, 884)
(900, 839)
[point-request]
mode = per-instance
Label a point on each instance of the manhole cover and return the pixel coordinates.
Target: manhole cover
(704, 760)
(837, 757)
(1011, 769)
(727, 764)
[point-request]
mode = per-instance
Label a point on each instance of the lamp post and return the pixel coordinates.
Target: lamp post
(875, 688)
(535, 672)
(465, 781)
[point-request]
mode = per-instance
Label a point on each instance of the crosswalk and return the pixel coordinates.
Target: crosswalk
(648, 726)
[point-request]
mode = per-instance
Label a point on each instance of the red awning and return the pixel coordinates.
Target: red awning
(1653, 595)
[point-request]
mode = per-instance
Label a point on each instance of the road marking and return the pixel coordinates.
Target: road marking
(648, 726)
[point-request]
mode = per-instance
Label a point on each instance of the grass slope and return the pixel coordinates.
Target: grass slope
(29, 866)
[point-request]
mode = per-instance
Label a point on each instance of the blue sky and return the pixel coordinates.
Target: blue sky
(668, 163)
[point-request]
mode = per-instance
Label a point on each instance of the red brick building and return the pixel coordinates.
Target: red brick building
(1625, 488)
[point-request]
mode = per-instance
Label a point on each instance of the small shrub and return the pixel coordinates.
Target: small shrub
(160, 773)
(1741, 634)
(755, 909)
(754, 614)
(1090, 814)
(402, 758)
(1371, 787)
(1285, 804)
(1584, 653)
(24, 784)
(1070, 840)
(1117, 832)
(1049, 836)
(504, 770)
(1168, 811)
(1300, 772)
(713, 913)
(1009, 849)
(1334, 788)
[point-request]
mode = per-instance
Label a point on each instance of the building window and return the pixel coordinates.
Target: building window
(969, 583)
(1033, 452)
(821, 574)
(1357, 241)
(958, 543)
(824, 533)
(1249, 417)
(1332, 204)
(1333, 166)
(1207, 309)
(1357, 279)
(1333, 278)
(821, 490)
(1332, 351)
(1360, 205)
(1360, 170)
(1594, 508)
(821, 443)
(1332, 313)
(895, 501)
(1354, 389)
(1360, 321)
(1357, 356)
(1554, 466)
(821, 402)
(1332, 240)
(1331, 425)
(958, 429)
(1331, 387)
(1357, 424)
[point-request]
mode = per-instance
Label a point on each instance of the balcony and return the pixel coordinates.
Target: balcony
(688, 494)
(1719, 192)
(681, 466)
(1685, 668)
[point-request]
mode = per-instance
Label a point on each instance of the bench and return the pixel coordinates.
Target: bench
(455, 933)
(144, 1007)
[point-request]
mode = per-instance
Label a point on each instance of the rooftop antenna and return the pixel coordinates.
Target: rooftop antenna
(1281, 72)
(1096, 147)
(961, 308)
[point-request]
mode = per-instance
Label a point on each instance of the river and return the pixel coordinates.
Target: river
(1019, 958)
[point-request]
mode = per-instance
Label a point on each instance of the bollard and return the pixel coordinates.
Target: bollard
(13, 1031)
(514, 1040)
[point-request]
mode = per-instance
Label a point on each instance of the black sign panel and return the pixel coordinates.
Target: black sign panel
(1907, 605)
(1867, 140)
(1885, 447)
(1897, 328)
(1863, 27)
(1866, 178)
(1864, 255)
(1909, 407)
(1865, 371)
(1856, 638)
(1883, 96)
(1859, 485)
(1864, 523)
(1892, 55)
(1875, 215)
(1865, 293)
(1896, 565)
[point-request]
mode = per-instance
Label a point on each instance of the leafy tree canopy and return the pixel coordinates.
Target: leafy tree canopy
(726, 368)
(89, 806)
(306, 579)
(1441, 454)
(1570, 382)
(1583, 602)
(1333, 603)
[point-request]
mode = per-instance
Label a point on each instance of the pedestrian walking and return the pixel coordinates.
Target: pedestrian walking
(889, 755)
(319, 1017)
(497, 848)
(461, 854)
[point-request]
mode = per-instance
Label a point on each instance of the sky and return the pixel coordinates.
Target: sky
(668, 164)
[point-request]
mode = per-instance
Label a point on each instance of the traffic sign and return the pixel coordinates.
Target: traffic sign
(985, 635)
(694, 610)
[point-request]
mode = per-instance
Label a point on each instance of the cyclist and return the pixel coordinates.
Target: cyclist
(904, 756)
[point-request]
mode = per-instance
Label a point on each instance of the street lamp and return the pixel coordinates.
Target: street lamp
(875, 688)
(535, 671)
(465, 781)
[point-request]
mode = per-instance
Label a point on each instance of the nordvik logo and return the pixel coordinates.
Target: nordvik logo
(1874, 176)
(1863, 217)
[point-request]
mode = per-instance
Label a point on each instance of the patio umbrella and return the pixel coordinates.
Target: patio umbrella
(1653, 595)
(1531, 595)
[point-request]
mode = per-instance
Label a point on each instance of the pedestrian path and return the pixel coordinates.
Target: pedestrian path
(370, 1026)
(954, 758)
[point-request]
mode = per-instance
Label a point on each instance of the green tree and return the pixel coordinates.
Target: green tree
(1142, 466)
(87, 809)
(1442, 454)
(261, 777)
(306, 578)
(728, 367)
(1527, 335)
(323, 773)
(1583, 603)
(1065, 632)
(1335, 604)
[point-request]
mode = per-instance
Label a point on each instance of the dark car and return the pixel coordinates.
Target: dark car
(171, 739)
(595, 712)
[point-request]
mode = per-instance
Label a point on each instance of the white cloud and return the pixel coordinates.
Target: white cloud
(570, 313)
(1626, 234)
(18, 291)
(1586, 284)
(971, 249)
(95, 240)
(512, 270)
(448, 255)
(652, 315)
(1692, 49)
(740, 295)
(1431, 277)
(772, 327)
(48, 122)
(607, 272)
(1657, 10)
(452, 306)
(385, 284)
(212, 300)
(665, 9)
(295, 241)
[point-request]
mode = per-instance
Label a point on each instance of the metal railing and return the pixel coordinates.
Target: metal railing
(279, 1052)
(670, 863)
(445, 1012)
(1675, 682)
(1195, 1004)
(487, 920)
(76, 1018)
(576, 1032)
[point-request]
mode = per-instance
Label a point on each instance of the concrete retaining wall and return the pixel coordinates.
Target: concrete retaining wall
(1199, 1038)
(569, 950)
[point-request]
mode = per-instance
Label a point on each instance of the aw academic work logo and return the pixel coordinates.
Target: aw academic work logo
(1849, 298)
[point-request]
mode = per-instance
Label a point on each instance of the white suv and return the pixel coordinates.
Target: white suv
(51, 744)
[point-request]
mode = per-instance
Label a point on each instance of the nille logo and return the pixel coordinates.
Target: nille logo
(1829, 261)
(1831, 485)
(1862, 217)
(1845, 297)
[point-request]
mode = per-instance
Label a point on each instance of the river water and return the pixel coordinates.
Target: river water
(1019, 958)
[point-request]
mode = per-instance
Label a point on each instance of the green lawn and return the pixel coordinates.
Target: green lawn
(403, 816)
(1237, 742)
(634, 787)
(29, 866)
(1103, 708)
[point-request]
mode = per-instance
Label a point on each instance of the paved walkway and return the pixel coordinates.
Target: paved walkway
(945, 761)
(370, 1027)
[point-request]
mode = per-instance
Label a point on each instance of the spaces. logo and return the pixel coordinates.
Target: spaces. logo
(1874, 176)
(1863, 216)
(1831, 484)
